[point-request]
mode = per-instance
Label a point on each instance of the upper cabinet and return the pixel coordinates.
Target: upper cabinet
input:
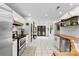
(70, 18)
(16, 23)
(19, 19)
(74, 20)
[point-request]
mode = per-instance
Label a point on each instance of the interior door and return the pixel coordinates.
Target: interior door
(41, 30)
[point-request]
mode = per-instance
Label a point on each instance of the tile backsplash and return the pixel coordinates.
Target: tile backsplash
(70, 30)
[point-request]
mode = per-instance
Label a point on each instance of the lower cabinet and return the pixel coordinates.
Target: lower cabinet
(14, 48)
(57, 40)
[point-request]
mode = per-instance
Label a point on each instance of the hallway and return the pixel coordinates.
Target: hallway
(42, 46)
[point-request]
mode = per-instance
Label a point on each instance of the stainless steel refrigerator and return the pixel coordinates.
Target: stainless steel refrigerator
(5, 33)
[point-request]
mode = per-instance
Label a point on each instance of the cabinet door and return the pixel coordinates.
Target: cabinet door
(63, 24)
(68, 23)
(62, 42)
(14, 48)
(57, 42)
(74, 21)
(65, 45)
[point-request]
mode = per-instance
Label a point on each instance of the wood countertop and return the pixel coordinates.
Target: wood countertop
(13, 39)
(73, 52)
(67, 37)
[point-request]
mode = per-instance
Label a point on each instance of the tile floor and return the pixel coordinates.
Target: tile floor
(41, 46)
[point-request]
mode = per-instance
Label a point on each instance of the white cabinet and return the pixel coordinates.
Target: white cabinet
(27, 40)
(14, 48)
(57, 40)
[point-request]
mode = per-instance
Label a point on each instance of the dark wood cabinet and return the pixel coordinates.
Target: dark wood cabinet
(70, 21)
(74, 21)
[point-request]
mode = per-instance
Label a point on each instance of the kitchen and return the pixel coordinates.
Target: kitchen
(49, 37)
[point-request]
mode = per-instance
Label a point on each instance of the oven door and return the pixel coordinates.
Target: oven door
(22, 45)
(22, 42)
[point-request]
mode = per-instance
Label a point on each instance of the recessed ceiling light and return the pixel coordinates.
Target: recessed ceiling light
(71, 4)
(57, 7)
(60, 12)
(46, 14)
(29, 14)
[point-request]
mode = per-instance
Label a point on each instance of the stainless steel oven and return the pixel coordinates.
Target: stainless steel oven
(21, 42)
(22, 45)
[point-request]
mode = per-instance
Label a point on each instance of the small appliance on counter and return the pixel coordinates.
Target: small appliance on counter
(15, 35)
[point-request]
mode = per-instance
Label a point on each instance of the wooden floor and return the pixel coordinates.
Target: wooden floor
(41, 46)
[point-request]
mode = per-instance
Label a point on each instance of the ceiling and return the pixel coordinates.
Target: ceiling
(42, 11)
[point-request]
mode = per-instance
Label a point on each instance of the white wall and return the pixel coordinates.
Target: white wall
(28, 29)
(38, 23)
(71, 30)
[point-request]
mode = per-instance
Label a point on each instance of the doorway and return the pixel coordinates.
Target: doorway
(41, 30)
